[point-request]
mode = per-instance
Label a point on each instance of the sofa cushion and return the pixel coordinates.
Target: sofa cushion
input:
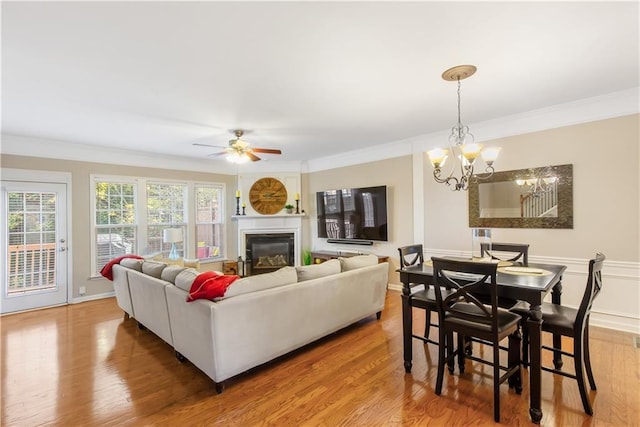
(153, 268)
(358, 261)
(283, 276)
(169, 274)
(132, 263)
(315, 271)
(191, 263)
(185, 278)
(210, 285)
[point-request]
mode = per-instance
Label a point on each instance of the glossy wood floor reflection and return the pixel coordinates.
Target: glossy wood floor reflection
(84, 365)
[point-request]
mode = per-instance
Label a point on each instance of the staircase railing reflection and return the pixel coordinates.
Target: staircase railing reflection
(534, 205)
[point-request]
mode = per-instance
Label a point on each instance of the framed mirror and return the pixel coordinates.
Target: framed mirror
(524, 198)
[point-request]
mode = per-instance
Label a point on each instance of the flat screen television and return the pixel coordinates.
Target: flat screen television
(353, 213)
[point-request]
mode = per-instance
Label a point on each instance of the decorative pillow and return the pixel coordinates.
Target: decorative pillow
(132, 263)
(152, 268)
(185, 278)
(358, 261)
(283, 276)
(169, 274)
(107, 270)
(314, 271)
(210, 285)
(191, 263)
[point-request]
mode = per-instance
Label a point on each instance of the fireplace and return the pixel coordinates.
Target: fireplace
(267, 252)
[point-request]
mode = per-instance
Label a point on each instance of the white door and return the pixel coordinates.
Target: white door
(34, 242)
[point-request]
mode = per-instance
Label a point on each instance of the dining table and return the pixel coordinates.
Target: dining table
(531, 284)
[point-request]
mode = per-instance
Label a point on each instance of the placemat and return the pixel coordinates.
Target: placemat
(525, 271)
(500, 263)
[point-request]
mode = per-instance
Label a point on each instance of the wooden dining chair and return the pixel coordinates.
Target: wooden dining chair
(422, 297)
(514, 252)
(511, 252)
(574, 323)
(461, 312)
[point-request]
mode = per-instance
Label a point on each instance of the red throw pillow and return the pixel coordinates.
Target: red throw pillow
(107, 270)
(210, 285)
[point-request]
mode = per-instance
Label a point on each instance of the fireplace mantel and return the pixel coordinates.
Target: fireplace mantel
(239, 217)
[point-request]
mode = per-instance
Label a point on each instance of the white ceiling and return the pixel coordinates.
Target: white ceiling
(309, 78)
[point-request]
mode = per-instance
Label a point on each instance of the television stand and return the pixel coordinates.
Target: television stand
(318, 257)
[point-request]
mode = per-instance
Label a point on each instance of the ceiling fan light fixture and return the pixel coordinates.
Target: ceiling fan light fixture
(237, 157)
(239, 151)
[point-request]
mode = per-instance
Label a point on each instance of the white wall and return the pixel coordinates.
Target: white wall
(396, 174)
(605, 157)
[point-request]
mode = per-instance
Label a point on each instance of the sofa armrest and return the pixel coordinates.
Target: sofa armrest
(191, 328)
(121, 289)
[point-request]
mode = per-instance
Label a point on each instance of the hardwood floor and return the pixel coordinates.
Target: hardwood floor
(84, 365)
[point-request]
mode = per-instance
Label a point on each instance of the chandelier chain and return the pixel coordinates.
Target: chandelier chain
(459, 115)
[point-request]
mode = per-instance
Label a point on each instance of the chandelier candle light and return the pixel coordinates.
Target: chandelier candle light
(462, 145)
(538, 186)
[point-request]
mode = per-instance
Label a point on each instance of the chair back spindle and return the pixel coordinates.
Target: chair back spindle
(592, 290)
(518, 251)
(464, 290)
(411, 255)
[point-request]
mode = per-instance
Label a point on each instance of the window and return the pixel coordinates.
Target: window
(115, 221)
(130, 215)
(165, 209)
(31, 234)
(209, 216)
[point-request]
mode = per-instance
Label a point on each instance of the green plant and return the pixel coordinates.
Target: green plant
(288, 206)
(306, 257)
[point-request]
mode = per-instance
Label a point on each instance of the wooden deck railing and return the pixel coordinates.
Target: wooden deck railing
(31, 267)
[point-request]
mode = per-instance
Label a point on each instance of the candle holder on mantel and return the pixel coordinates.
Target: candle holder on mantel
(297, 206)
(243, 209)
(237, 205)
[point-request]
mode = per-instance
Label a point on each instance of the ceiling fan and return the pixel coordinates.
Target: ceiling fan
(240, 151)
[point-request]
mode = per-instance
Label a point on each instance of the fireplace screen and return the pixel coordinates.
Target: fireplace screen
(268, 252)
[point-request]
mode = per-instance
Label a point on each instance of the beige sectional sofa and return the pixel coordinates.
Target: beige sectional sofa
(259, 318)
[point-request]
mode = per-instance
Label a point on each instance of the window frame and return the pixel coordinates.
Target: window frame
(184, 225)
(221, 220)
(141, 215)
(95, 179)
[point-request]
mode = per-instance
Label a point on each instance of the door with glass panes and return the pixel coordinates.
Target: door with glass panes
(34, 242)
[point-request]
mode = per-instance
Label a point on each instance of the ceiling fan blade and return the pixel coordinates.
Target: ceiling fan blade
(217, 154)
(252, 156)
(266, 150)
(207, 145)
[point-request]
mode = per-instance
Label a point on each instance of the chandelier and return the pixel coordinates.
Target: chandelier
(462, 146)
(537, 186)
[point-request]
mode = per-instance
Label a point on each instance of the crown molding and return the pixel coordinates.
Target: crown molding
(616, 104)
(602, 107)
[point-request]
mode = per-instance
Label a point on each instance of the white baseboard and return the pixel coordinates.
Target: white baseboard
(92, 297)
(615, 321)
